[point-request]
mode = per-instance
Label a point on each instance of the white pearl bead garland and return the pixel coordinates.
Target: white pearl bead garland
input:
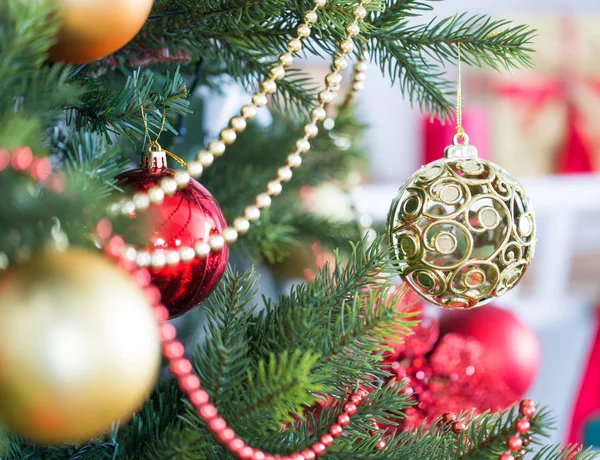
(156, 195)
(187, 254)
(284, 174)
(130, 253)
(158, 259)
(274, 188)
(168, 186)
(248, 112)
(128, 207)
(195, 168)
(172, 257)
(182, 179)
(228, 136)
(230, 235)
(311, 130)
(202, 249)
(262, 200)
(216, 243)
(294, 160)
(286, 59)
(143, 259)
(252, 213)
(141, 201)
(206, 158)
(238, 123)
(241, 224)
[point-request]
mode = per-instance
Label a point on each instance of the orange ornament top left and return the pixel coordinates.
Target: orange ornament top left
(93, 29)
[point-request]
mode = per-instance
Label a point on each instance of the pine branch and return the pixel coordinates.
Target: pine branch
(107, 111)
(280, 386)
(221, 361)
(414, 56)
(496, 43)
(291, 322)
(179, 444)
(572, 452)
(88, 155)
(27, 31)
(31, 95)
(159, 415)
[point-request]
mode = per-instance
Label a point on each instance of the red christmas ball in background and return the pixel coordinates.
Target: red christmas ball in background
(190, 215)
(512, 350)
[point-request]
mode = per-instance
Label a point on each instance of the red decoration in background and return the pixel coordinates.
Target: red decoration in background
(189, 216)
(587, 403)
(449, 374)
(437, 136)
(512, 350)
(575, 155)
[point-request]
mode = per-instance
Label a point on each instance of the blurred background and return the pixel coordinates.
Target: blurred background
(542, 126)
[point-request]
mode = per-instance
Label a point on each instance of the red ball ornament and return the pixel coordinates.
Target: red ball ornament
(189, 216)
(512, 350)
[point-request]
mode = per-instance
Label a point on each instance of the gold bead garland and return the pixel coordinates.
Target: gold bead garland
(241, 224)
(237, 124)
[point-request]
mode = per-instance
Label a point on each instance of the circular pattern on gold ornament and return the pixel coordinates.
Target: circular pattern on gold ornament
(462, 231)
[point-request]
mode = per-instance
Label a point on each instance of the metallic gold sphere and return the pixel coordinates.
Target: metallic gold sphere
(93, 29)
(462, 230)
(79, 347)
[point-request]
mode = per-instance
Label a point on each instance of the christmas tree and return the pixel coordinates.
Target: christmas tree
(86, 262)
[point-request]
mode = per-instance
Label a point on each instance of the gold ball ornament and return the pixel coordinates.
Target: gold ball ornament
(462, 229)
(93, 29)
(79, 347)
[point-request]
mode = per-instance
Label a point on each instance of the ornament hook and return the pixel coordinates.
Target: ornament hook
(460, 132)
(460, 148)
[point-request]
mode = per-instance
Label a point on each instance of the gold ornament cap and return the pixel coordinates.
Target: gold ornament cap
(154, 158)
(460, 150)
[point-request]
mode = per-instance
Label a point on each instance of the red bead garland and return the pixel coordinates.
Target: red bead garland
(515, 443)
(181, 367)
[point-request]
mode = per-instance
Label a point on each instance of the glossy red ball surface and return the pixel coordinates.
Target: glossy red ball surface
(512, 350)
(189, 216)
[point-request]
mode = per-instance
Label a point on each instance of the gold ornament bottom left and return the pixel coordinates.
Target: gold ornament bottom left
(79, 347)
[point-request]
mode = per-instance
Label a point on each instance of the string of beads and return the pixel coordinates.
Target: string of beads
(515, 442)
(174, 352)
(39, 169)
(168, 186)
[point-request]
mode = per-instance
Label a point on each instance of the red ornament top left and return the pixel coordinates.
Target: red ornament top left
(93, 29)
(188, 217)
